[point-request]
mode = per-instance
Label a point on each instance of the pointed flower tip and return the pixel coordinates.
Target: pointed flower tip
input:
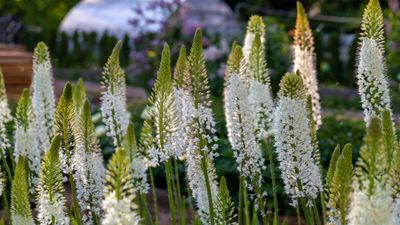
(292, 86)
(256, 24)
(300, 9)
(347, 150)
(182, 51)
(166, 50)
(25, 93)
(41, 52)
(86, 106)
(198, 38)
(67, 91)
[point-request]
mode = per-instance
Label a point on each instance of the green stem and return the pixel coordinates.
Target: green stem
(298, 215)
(146, 209)
(273, 179)
(6, 205)
(179, 193)
(75, 205)
(153, 191)
(323, 206)
(246, 204)
(307, 216)
(170, 192)
(240, 209)
(204, 166)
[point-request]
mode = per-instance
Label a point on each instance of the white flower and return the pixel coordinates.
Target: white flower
(139, 174)
(304, 62)
(371, 210)
(396, 211)
(241, 130)
(43, 101)
(51, 210)
(27, 145)
(119, 212)
(295, 151)
(194, 119)
(89, 173)
(4, 142)
(114, 112)
(22, 220)
(262, 106)
(371, 79)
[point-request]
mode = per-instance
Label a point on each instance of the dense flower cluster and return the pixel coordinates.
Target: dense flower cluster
(371, 79)
(43, 100)
(375, 209)
(241, 130)
(119, 211)
(113, 98)
(51, 210)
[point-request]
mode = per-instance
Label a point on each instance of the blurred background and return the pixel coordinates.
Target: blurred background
(81, 35)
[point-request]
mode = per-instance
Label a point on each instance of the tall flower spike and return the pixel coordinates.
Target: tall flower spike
(5, 113)
(340, 188)
(20, 205)
(224, 205)
(300, 171)
(239, 120)
(255, 26)
(113, 98)
(138, 161)
(26, 138)
(304, 60)
(88, 167)
(197, 107)
(260, 97)
(119, 194)
(163, 111)
(372, 194)
(43, 100)
(5, 116)
(371, 74)
(51, 204)
(65, 126)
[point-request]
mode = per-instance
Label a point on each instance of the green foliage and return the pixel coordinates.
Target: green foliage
(79, 96)
(51, 174)
(226, 210)
(372, 24)
(119, 176)
(292, 86)
(87, 130)
(20, 203)
(339, 185)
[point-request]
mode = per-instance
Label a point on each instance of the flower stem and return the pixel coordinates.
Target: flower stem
(204, 166)
(273, 179)
(170, 192)
(153, 191)
(246, 203)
